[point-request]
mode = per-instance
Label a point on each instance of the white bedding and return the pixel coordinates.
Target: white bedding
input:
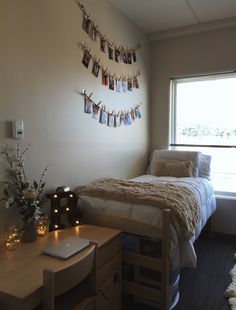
(182, 253)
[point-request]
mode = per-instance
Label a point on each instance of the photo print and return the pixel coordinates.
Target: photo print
(129, 85)
(124, 55)
(118, 86)
(94, 33)
(86, 58)
(105, 78)
(117, 120)
(135, 83)
(111, 82)
(96, 68)
(111, 120)
(86, 23)
(117, 55)
(133, 115)
(110, 52)
(103, 117)
(129, 58)
(138, 113)
(95, 111)
(103, 44)
(124, 87)
(127, 119)
(87, 106)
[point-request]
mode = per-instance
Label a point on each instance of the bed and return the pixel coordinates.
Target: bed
(152, 237)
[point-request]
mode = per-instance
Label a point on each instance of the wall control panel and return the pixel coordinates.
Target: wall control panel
(18, 129)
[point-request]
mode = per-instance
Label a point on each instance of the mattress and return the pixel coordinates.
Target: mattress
(182, 253)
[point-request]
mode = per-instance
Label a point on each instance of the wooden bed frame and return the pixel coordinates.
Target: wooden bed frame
(161, 294)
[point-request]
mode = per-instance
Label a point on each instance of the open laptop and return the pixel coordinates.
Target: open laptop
(66, 247)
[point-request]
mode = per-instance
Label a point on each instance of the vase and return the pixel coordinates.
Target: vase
(29, 233)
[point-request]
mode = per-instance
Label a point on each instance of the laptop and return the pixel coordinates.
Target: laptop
(66, 247)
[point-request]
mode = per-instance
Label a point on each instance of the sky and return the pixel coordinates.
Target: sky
(210, 102)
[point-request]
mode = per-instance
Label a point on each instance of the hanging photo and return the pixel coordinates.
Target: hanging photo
(111, 120)
(127, 119)
(103, 117)
(133, 115)
(95, 111)
(138, 113)
(117, 121)
(117, 55)
(96, 68)
(118, 86)
(110, 52)
(129, 85)
(105, 80)
(111, 82)
(103, 45)
(124, 86)
(134, 56)
(124, 55)
(122, 117)
(94, 33)
(129, 58)
(87, 106)
(86, 58)
(135, 83)
(86, 23)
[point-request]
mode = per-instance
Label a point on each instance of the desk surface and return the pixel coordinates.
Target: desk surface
(21, 270)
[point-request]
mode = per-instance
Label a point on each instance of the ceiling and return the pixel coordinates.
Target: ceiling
(161, 15)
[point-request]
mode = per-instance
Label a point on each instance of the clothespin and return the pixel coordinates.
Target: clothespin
(90, 96)
(99, 103)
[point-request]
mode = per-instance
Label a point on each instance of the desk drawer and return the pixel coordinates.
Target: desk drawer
(108, 251)
(107, 271)
(109, 294)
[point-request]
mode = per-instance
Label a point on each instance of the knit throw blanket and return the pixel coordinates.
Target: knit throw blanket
(180, 200)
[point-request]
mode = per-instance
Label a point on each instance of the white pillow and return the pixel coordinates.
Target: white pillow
(175, 155)
(205, 166)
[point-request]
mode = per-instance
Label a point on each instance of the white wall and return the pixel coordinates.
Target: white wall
(40, 72)
(189, 55)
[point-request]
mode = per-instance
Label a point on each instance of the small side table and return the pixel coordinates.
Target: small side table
(69, 209)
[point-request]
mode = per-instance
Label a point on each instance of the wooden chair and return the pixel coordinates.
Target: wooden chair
(61, 283)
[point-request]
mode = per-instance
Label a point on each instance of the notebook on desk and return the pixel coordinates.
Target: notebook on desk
(66, 247)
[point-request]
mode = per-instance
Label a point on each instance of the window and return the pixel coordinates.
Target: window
(203, 117)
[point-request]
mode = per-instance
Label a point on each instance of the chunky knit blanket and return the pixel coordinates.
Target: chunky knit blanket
(179, 199)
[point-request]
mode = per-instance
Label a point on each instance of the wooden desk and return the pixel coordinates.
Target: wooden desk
(21, 270)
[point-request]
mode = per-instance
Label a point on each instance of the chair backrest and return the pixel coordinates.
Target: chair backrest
(56, 283)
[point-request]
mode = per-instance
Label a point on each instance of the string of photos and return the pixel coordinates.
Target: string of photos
(112, 80)
(115, 51)
(113, 119)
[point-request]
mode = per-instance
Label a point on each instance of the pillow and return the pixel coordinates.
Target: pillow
(174, 155)
(205, 166)
(174, 168)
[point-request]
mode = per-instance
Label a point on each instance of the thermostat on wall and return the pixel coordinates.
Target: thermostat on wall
(18, 129)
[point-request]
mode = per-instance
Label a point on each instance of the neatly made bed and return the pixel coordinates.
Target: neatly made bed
(146, 234)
